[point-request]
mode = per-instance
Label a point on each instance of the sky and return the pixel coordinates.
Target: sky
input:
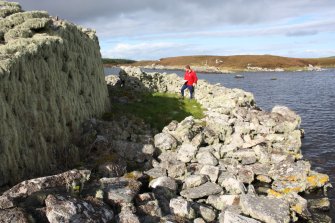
(154, 29)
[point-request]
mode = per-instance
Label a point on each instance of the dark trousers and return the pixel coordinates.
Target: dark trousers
(190, 88)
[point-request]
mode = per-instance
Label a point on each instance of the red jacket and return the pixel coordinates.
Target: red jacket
(191, 77)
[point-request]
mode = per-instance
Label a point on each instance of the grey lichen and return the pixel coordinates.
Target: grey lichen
(8, 8)
(51, 79)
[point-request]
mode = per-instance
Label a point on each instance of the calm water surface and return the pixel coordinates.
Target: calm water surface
(310, 94)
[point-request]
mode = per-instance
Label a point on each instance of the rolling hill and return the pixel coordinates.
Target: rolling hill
(238, 62)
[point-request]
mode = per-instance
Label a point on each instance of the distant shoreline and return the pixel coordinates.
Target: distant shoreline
(216, 71)
(234, 64)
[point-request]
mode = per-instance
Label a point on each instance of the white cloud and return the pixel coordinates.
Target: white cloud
(126, 28)
(134, 17)
(143, 50)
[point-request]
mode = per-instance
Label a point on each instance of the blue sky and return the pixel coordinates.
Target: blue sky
(153, 29)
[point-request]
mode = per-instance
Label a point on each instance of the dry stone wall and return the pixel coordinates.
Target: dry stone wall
(51, 79)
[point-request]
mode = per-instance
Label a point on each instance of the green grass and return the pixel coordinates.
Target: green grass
(115, 62)
(158, 109)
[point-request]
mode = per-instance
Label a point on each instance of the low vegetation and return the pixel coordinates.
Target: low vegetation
(157, 109)
(116, 62)
(241, 62)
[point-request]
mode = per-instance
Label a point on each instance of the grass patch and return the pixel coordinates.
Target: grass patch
(116, 62)
(240, 62)
(158, 109)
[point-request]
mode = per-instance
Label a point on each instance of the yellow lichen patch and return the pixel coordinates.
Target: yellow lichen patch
(297, 208)
(291, 178)
(273, 193)
(292, 189)
(297, 156)
(151, 178)
(130, 175)
(264, 178)
(317, 180)
(134, 175)
(312, 181)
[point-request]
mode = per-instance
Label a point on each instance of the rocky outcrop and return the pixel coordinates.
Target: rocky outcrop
(257, 69)
(238, 164)
(51, 80)
(197, 68)
(238, 159)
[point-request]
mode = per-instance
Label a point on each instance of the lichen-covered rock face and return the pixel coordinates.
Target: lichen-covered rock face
(51, 79)
(67, 209)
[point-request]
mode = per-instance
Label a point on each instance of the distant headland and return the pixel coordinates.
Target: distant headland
(231, 64)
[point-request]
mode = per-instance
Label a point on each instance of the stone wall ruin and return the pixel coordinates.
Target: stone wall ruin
(51, 79)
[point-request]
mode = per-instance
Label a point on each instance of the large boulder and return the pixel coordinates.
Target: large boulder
(269, 210)
(165, 141)
(203, 190)
(67, 209)
(119, 191)
(14, 215)
(182, 208)
(231, 217)
(69, 179)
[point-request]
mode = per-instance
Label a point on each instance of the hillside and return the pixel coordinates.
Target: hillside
(116, 62)
(239, 62)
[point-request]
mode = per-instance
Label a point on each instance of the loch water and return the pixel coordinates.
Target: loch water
(310, 94)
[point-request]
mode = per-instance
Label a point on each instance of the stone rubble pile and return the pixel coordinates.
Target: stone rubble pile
(238, 164)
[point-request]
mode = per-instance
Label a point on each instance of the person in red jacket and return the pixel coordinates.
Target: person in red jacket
(191, 79)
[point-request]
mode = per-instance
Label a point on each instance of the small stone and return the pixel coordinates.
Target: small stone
(263, 178)
(165, 182)
(150, 208)
(199, 220)
(194, 181)
(197, 140)
(182, 208)
(246, 156)
(127, 215)
(203, 190)
(156, 172)
(211, 171)
(165, 141)
(245, 175)
(176, 168)
(260, 168)
(321, 218)
(207, 158)
(206, 212)
(322, 204)
(233, 186)
(148, 149)
(220, 202)
(315, 180)
(186, 152)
